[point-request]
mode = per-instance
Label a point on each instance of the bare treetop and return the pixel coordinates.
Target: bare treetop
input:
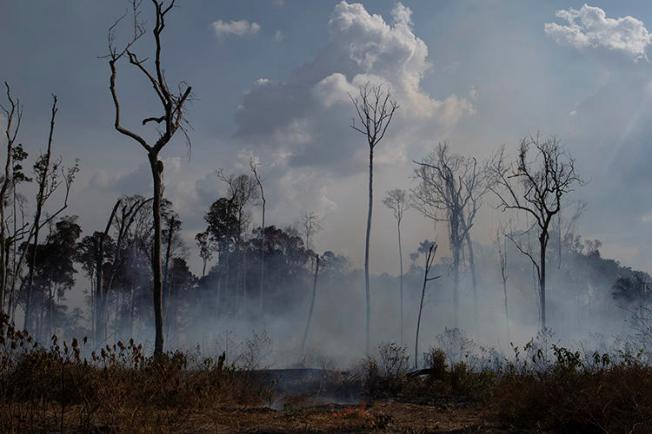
(172, 101)
(374, 108)
(449, 182)
(544, 178)
(396, 200)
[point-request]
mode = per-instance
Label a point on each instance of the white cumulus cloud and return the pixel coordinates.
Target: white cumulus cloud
(589, 26)
(305, 118)
(235, 28)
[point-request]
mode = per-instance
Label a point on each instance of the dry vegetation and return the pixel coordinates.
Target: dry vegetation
(543, 388)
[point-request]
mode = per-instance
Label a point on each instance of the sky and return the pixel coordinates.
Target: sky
(271, 80)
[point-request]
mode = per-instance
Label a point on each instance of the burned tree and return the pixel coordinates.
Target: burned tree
(374, 108)
(450, 188)
(312, 306)
(48, 178)
(429, 248)
(535, 185)
(253, 165)
(311, 224)
(205, 246)
(172, 104)
(396, 200)
(501, 244)
(13, 114)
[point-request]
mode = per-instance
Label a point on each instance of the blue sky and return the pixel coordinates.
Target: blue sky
(270, 81)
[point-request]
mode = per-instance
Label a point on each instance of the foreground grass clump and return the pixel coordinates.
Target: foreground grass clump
(577, 393)
(389, 376)
(114, 389)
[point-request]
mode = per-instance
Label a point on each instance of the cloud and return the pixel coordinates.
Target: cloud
(236, 28)
(303, 120)
(589, 27)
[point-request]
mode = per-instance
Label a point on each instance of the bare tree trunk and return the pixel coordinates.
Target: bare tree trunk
(312, 307)
(416, 339)
(474, 277)
(430, 255)
(366, 252)
(502, 252)
(254, 169)
(542, 281)
(400, 258)
(40, 199)
(157, 168)
(100, 330)
(456, 283)
(166, 277)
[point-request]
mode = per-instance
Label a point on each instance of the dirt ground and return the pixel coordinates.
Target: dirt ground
(381, 417)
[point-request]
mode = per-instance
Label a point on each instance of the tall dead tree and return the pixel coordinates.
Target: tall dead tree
(100, 239)
(396, 200)
(241, 190)
(374, 109)
(13, 114)
(171, 119)
(430, 249)
(501, 244)
(253, 165)
(535, 185)
(49, 179)
(311, 224)
(450, 188)
(203, 241)
(312, 306)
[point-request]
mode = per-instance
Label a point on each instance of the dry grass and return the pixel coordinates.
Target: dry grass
(118, 389)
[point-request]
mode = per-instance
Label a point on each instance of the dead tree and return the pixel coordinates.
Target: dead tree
(312, 306)
(536, 186)
(203, 241)
(254, 170)
(430, 251)
(374, 108)
(311, 224)
(450, 188)
(241, 191)
(396, 200)
(501, 244)
(13, 114)
(100, 289)
(46, 172)
(173, 223)
(172, 119)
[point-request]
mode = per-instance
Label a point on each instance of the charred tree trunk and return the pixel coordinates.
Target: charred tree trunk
(400, 258)
(312, 307)
(430, 255)
(543, 241)
(474, 276)
(166, 272)
(366, 252)
(40, 201)
(455, 247)
(156, 167)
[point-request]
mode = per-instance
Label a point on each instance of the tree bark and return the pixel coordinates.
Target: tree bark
(166, 276)
(312, 307)
(400, 258)
(455, 247)
(156, 167)
(366, 252)
(542, 279)
(474, 276)
(40, 199)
